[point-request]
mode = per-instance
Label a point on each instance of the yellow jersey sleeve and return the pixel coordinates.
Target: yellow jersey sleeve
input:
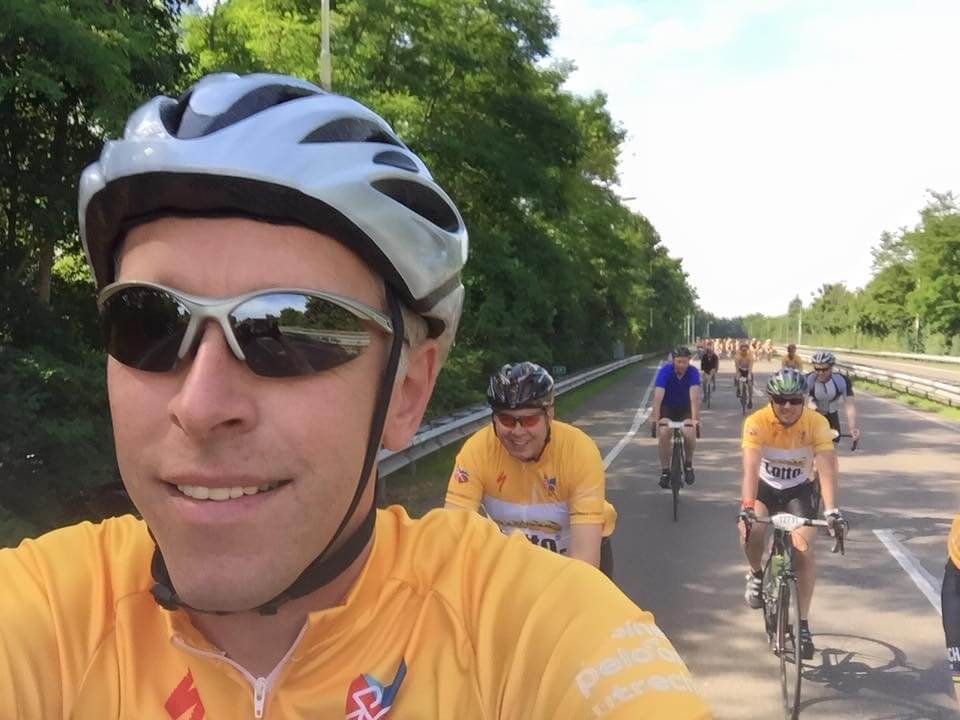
(821, 432)
(953, 542)
(587, 506)
(465, 487)
(46, 587)
(580, 649)
(752, 432)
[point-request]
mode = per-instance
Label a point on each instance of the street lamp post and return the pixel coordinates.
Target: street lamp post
(325, 80)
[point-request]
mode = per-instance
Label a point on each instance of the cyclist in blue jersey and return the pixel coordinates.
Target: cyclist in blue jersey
(677, 397)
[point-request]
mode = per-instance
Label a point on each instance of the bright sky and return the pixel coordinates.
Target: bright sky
(778, 135)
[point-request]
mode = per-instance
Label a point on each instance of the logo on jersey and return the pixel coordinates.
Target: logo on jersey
(183, 698)
(367, 699)
(501, 479)
(461, 475)
(550, 484)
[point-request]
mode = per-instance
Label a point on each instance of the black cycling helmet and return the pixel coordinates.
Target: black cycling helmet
(681, 351)
(520, 385)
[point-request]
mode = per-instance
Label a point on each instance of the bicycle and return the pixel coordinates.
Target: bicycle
(781, 604)
(705, 384)
(678, 458)
(744, 391)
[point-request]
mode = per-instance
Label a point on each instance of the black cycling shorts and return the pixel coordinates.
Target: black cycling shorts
(606, 557)
(677, 413)
(709, 365)
(950, 604)
(799, 500)
(744, 373)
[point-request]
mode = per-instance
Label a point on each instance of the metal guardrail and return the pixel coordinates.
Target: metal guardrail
(950, 359)
(440, 432)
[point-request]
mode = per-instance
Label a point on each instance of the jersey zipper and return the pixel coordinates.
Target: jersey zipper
(261, 685)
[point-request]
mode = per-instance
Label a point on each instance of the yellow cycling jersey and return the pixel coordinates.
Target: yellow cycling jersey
(449, 620)
(953, 542)
(786, 453)
(792, 362)
(541, 498)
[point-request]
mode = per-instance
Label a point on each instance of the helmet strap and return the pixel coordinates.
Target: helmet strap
(329, 564)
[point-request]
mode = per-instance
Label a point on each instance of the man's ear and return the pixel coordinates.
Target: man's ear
(411, 393)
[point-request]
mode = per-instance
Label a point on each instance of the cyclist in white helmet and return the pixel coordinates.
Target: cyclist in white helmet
(829, 390)
(278, 278)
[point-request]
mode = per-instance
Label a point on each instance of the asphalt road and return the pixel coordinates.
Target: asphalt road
(879, 640)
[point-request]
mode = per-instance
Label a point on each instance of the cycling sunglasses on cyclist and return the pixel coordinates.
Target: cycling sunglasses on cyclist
(822, 368)
(511, 421)
(276, 332)
(778, 400)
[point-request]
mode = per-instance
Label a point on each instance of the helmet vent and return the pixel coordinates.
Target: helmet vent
(396, 159)
(421, 200)
(194, 125)
(351, 130)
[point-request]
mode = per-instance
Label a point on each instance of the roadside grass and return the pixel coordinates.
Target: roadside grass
(919, 403)
(422, 485)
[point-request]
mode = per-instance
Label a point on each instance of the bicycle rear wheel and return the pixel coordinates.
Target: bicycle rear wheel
(743, 396)
(788, 646)
(706, 393)
(676, 474)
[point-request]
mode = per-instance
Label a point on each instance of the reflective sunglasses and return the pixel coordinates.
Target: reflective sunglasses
(822, 369)
(511, 421)
(275, 332)
(778, 400)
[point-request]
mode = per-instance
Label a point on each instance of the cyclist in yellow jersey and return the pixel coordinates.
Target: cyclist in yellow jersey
(533, 474)
(743, 371)
(780, 443)
(278, 278)
(950, 604)
(791, 359)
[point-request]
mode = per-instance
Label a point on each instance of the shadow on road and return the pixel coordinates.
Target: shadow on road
(854, 666)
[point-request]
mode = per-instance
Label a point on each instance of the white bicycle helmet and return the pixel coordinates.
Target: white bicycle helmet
(280, 149)
(823, 357)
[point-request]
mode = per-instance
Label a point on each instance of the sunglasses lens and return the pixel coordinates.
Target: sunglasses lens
(524, 421)
(143, 328)
(787, 400)
(288, 334)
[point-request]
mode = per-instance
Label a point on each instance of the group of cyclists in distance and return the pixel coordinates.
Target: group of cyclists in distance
(261, 579)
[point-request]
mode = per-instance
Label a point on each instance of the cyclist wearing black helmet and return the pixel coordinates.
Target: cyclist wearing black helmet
(278, 277)
(780, 442)
(677, 397)
(534, 474)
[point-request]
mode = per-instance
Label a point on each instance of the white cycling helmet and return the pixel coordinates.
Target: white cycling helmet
(280, 149)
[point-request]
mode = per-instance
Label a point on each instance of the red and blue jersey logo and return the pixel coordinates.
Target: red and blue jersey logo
(368, 699)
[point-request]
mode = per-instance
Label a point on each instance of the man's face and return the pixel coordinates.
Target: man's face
(823, 372)
(212, 422)
(523, 443)
(788, 409)
(680, 364)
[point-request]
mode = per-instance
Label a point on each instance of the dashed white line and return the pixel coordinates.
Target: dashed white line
(643, 412)
(921, 578)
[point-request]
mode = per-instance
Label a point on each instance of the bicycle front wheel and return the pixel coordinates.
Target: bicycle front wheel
(788, 646)
(676, 470)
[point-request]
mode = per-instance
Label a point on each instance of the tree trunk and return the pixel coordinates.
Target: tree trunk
(52, 230)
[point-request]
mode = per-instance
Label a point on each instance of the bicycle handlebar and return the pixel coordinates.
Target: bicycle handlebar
(788, 522)
(673, 425)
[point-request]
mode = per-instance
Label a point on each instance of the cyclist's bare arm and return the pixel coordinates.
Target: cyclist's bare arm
(826, 467)
(655, 406)
(585, 542)
(695, 403)
(850, 408)
(751, 475)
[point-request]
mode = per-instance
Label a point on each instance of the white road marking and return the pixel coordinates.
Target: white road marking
(643, 412)
(922, 579)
